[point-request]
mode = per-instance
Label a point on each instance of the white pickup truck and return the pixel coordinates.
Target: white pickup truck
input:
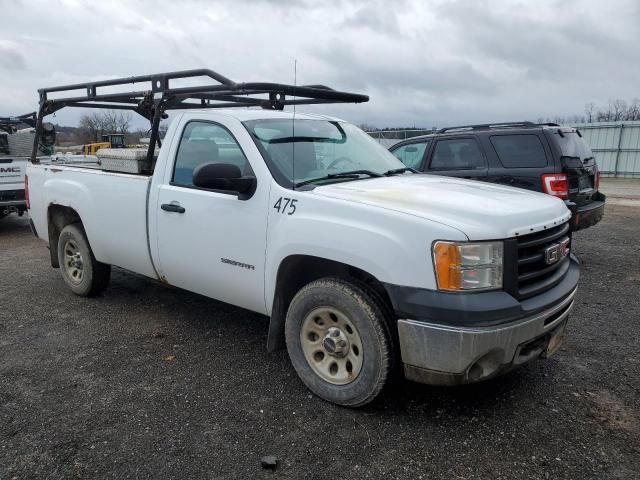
(13, 165)
(15, 149)
(361, 265)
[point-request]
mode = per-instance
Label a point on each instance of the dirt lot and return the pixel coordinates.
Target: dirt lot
(148, 381)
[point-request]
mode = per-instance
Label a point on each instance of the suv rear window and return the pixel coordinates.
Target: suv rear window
(519, 151)
(572, 145)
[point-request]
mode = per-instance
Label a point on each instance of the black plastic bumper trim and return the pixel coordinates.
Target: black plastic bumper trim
(591, 213)
(476, 309)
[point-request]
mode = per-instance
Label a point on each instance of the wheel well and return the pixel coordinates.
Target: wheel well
(59, 217)
(295, 272)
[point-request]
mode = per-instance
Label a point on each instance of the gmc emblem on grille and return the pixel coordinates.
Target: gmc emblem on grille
(556, 252)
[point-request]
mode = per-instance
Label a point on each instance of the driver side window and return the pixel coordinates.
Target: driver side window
(206, 142)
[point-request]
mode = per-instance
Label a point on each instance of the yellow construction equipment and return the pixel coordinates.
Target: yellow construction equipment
(111, 140)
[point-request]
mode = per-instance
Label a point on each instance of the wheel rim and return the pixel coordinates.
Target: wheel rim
(73, 262)
(332, 345)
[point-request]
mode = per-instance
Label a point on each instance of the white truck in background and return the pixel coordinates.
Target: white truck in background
(16, 145)
(361, 264)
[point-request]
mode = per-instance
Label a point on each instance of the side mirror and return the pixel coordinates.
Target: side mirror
(224, 176)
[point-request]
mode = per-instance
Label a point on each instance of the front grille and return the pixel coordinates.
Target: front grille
(535, 275)
(11, 195)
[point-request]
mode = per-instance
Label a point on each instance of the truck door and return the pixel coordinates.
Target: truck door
(458, 157)
(211, 242)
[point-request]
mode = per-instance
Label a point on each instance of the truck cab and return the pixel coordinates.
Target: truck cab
(115, 140)
(360, 264)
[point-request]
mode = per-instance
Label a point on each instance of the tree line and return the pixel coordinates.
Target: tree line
(615, 111)
(93, 125)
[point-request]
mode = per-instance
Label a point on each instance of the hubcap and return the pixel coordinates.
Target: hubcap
(73, 262)
(332, 345)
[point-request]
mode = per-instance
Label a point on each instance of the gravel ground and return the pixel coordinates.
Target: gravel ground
(148, 381)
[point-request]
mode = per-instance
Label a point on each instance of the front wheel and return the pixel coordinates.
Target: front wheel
(339, 341)
(82, 273)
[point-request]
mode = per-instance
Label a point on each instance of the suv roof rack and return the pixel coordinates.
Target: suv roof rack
(488, 126)
(153, 102)
(11, 124)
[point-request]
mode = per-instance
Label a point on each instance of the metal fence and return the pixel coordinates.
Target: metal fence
(616, 145)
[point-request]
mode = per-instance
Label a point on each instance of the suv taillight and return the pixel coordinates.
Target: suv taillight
(556, 184)
(597, 179)
(26, 192)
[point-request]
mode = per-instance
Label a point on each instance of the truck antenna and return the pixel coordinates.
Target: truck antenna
(293, 125)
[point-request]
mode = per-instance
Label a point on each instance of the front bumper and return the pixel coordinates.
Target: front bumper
(448, 339)
(445, 355)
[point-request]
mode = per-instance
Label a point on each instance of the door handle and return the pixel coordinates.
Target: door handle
(172, 207)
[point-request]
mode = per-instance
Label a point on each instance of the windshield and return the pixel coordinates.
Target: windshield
(317, 149)
(572, 145)
(117, 140)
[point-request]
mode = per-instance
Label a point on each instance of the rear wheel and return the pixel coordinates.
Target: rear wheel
(82, 273)
(339, 341)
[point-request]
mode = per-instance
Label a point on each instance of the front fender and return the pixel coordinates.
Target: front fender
(392, 246)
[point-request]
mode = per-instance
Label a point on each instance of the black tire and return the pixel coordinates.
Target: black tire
(368, 315)
(94, 276)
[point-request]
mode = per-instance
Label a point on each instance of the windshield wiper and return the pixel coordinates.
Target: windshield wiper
(349, 174)
(397, 171)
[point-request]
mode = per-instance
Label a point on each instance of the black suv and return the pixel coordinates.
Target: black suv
(542, 157)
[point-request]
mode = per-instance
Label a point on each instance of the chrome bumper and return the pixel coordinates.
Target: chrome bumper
(439, 354)
(13, 203)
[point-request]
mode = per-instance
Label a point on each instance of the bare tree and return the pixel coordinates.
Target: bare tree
(94, 125)
(588, 109)
(633, 112)
(619, 110)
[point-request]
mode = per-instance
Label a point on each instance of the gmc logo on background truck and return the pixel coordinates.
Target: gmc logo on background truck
(9, 169)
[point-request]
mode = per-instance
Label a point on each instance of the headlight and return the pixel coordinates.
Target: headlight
(468, 266)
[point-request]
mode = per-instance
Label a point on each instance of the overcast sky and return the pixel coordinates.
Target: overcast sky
(424, 62)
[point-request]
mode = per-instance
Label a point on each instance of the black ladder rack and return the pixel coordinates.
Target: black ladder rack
(10, 124)
(158, 97)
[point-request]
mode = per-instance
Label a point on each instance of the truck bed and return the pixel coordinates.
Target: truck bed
(117, 239)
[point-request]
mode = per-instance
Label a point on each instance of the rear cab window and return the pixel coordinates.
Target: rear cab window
(519, 151)
(411, 154)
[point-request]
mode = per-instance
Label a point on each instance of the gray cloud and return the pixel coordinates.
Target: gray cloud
(11, 58)
(427, 63)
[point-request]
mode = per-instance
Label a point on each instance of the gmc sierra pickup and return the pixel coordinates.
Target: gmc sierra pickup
(361, 264)
(15, 147)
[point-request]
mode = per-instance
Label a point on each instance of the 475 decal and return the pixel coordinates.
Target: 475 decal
(286, 205)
